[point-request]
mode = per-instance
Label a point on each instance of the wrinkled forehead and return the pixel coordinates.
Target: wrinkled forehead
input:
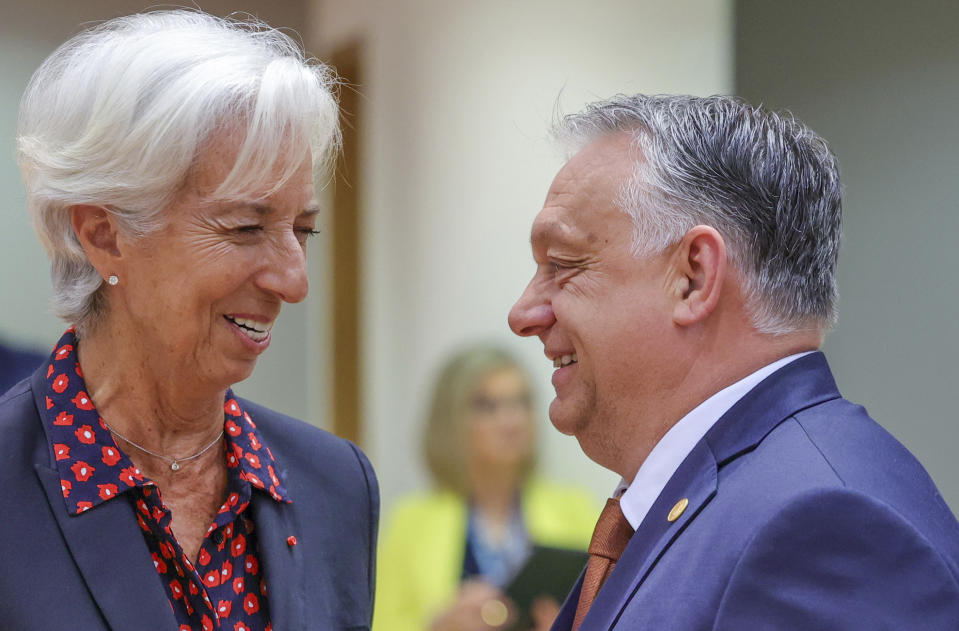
(586, 191)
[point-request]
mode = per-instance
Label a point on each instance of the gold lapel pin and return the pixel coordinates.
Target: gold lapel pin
(677, 510)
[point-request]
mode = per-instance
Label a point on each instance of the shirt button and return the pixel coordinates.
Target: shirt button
(218, 537)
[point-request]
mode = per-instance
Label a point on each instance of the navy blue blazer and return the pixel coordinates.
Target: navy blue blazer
(803, 514)
(92, 572)
(17, 364)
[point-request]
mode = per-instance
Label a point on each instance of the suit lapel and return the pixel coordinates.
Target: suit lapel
(695, 481)
(800, 384)
(283, 564)
(564, 621)
(108, 548)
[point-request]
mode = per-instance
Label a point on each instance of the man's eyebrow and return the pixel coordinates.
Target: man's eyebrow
(552, 233)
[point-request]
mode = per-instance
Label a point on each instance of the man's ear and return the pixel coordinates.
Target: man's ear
(96, 230)
(700, 265)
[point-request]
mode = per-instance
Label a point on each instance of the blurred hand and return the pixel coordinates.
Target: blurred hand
(543, 611)
(479, 606)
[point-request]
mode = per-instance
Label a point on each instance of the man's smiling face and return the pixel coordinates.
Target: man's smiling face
(602, 314)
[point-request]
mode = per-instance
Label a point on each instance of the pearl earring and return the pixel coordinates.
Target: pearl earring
(113, 279)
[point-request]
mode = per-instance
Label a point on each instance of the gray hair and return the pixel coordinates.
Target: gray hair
(765, 181)
(117, 115)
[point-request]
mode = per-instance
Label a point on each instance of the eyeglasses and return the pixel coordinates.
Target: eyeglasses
(488, 406)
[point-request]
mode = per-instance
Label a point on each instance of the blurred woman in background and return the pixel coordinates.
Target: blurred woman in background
(446, 555)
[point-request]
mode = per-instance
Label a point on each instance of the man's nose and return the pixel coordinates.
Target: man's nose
(533, 313)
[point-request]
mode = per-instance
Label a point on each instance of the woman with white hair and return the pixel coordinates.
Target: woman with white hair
(169, 161)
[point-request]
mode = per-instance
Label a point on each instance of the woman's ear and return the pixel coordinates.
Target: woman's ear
(700, 261)
(96, 230)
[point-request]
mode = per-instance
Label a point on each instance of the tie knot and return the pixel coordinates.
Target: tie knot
(612, 532)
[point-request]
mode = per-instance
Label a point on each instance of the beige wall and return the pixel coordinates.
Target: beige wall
(458, 98)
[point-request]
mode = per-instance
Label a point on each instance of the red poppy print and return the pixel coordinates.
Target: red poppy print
(166, 549)
(159, 564)
(225, 590)
(107, 491)
(238, 545)
(63, 419)
(82, 401)
(251, 604)
(60, 383)
(211, 578)
(85, 435)
(82, 471)
(129, 476)
(111, 456)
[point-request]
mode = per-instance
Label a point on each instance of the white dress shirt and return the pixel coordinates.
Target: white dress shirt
(676, 444)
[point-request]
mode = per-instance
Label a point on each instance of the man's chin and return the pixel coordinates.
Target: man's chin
(564, 419)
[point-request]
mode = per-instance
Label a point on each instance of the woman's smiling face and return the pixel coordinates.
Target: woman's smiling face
(201, 294)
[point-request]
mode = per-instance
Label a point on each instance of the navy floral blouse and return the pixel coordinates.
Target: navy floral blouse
(225, 588)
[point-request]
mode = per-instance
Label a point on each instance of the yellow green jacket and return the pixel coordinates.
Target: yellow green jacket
(420, 558)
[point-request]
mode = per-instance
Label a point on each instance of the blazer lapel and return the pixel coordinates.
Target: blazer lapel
(564, 621)
(108, 548)
(695, 481)
(283, 564)
(800, 384)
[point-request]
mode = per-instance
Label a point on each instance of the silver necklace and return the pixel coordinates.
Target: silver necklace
(175, 463)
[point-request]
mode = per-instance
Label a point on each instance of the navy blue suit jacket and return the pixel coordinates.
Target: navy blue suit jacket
(93, 571)
(803, 514)
(16, 364)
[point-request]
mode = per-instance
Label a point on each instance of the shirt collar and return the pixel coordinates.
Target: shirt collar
(637, 498)
(93, 469)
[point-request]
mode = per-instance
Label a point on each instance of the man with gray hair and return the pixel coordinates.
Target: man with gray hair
(685, 278)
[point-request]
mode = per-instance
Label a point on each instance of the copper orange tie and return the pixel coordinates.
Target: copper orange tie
(610, 537)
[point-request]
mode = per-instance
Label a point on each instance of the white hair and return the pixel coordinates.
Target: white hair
(117, 115)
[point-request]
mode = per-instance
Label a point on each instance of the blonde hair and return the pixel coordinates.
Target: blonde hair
(444, 439)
